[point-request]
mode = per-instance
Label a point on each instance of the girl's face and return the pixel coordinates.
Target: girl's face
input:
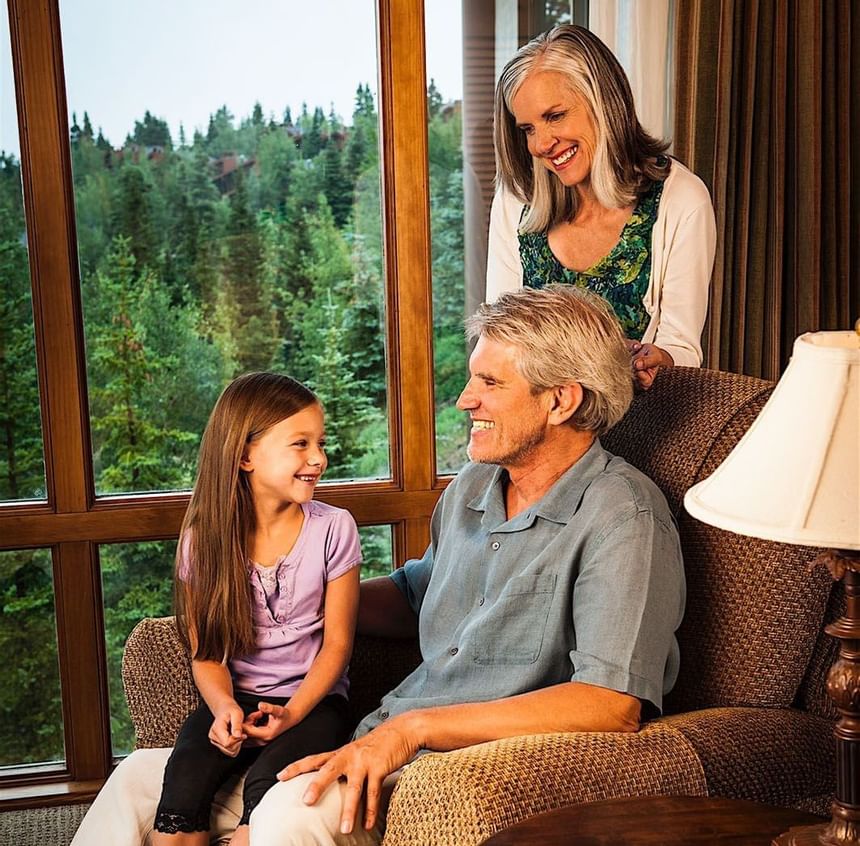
(286, 461)
(558, 126)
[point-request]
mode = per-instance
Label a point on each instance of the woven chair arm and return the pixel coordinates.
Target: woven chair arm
(156, 677)
(461, 798)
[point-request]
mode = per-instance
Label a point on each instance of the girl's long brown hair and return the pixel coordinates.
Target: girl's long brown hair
(213, 601)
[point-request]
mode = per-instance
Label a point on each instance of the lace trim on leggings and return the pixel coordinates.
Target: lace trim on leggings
(171, 822)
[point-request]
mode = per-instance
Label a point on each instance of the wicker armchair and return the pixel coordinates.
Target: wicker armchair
(748, 718)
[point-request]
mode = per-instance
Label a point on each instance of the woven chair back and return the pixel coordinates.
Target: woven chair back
(754, 609)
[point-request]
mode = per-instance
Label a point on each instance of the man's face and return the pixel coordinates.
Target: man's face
(509, 422)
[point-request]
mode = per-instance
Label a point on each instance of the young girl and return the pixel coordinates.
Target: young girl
(266, 597)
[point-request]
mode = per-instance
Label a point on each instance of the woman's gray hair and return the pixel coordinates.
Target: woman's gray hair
(623, 163)
(563, 334)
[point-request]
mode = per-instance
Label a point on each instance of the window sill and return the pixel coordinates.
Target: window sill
(47, 795)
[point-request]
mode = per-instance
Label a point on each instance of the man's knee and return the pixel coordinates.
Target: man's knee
(142, 772)
(283, 819)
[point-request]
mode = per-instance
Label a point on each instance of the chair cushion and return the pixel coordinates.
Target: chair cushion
(777, 756)
(754, 609)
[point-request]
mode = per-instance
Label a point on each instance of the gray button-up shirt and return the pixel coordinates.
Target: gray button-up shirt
(585, 585)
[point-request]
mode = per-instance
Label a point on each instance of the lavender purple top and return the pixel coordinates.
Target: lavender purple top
(290, 634)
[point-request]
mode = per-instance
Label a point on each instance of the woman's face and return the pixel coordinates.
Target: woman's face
(558, 126)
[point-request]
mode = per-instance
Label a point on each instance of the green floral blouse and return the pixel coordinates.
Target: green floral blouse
(621, 277)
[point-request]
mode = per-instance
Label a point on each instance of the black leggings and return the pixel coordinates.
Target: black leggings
(196, 768)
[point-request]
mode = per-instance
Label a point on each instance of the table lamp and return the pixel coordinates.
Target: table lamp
(795, 477)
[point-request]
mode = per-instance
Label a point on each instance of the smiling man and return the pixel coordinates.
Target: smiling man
(549, 596)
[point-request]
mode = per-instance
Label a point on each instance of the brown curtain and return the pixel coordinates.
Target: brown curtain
(768, 114)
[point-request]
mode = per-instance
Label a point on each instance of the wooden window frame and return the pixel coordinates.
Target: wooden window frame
(73, 521)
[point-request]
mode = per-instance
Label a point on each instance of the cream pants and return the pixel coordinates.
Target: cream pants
(123, 812)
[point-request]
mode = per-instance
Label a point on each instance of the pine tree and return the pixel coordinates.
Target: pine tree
(250, 308)
(22, 474)
(152, 132)
(134, 214)
(312, 139)
(434, 100)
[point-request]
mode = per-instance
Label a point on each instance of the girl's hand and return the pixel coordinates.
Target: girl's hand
(227, 732)
(265, 724)
(647, 361)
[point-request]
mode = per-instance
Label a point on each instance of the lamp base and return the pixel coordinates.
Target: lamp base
(843, 685)
(834, 833)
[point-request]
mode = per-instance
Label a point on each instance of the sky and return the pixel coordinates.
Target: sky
(183, 59)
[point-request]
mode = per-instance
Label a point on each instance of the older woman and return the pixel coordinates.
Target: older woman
(586, 196)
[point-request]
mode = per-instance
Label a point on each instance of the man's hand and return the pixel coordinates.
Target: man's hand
(366, 760)
(269, 721)
(226, 732)
(647, 361)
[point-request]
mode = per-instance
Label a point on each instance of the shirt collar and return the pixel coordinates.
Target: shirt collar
(558, 504)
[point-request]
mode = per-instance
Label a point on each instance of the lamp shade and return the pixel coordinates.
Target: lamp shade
(795, 476)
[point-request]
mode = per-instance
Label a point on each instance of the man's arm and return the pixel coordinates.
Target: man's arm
(572, 706)
(383, 610)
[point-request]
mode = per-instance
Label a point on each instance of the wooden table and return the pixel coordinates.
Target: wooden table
(655, 821)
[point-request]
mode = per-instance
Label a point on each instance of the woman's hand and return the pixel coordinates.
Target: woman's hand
(647, 361)
(227, 732)
(269, 721)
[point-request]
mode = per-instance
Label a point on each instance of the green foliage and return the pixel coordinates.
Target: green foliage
(22, 474)
(137, 582)
(151, 132)
(256, 245)
(30, 706)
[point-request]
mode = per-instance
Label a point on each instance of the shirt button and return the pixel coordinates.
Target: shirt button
(481, 601)
(383, 715)
(453, 650)
(496, 544)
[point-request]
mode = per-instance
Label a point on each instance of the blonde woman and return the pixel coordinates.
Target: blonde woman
(586, 197)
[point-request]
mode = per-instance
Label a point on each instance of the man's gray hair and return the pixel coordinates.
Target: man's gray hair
(563, 334)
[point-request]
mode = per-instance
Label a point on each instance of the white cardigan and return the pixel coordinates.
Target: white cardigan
(683, 242)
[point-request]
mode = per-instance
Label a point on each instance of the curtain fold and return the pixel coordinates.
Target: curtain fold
(767, 98)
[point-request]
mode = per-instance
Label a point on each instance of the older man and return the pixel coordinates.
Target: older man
(547, 601)
(550, 593)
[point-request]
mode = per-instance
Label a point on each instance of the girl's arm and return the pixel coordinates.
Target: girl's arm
(215, 685)
(341, 610)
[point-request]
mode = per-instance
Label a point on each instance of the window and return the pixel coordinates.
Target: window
(228, 217)
(31, 728)
(22, 469)
(124, 339)
(467, 46)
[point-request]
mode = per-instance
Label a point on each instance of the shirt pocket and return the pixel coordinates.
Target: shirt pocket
(513, 630)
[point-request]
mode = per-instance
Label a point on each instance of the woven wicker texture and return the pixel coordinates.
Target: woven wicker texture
(156, 677)
(378, 665)
(777, 756)
(669, 431)
(752, 606)
(461, 798)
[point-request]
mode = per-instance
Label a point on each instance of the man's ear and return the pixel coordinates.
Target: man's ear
(565, 400)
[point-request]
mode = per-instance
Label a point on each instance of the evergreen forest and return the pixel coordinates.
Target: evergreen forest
(255, 245)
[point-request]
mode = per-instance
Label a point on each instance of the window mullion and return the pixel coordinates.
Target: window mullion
(49, 203)
(407, 216)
